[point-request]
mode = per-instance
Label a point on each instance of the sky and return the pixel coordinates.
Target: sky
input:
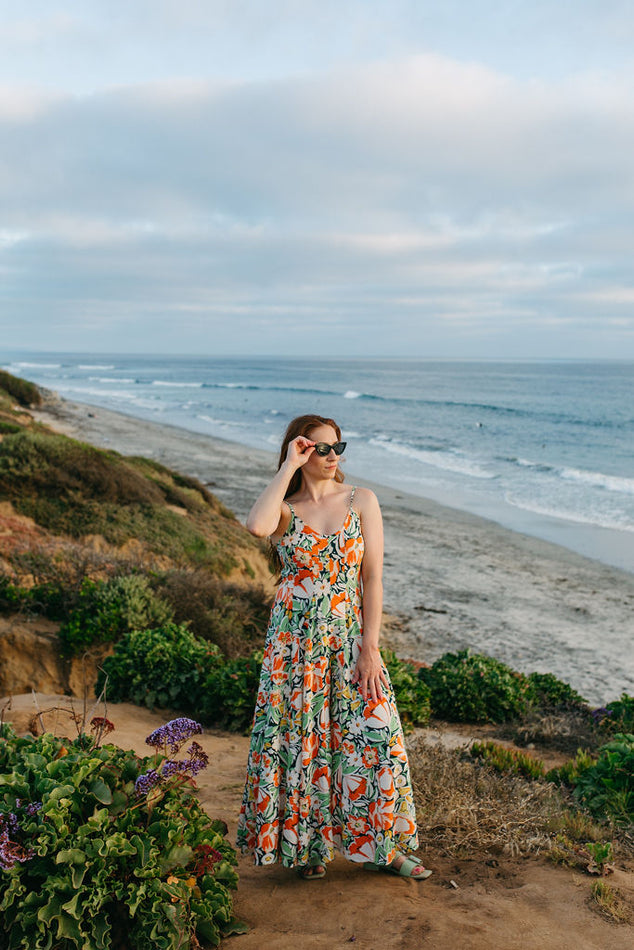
(318, 177)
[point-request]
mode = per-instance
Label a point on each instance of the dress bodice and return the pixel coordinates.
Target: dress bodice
(322, 568)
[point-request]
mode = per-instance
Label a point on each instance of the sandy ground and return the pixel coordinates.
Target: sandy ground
(453, 580)
(505, 904)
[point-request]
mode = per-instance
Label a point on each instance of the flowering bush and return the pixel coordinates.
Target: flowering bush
(617, 716)
(96, 856)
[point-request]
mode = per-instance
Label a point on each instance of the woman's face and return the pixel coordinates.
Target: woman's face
(322, 466)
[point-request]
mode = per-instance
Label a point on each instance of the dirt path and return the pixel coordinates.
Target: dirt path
(506, 905)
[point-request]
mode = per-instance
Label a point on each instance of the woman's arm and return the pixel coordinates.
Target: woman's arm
(368, 672)
(267, 515)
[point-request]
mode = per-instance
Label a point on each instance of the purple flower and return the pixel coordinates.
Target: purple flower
(197, 761)
(12, 853)
(32, 809)
(10, 822)
(173, 734)
(146, 782)
(198, 758)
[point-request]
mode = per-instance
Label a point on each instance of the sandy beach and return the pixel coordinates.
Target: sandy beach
(452, 580)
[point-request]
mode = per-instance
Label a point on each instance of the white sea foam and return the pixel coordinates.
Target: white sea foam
(442, 460)
(22, 365)
(173, 385)
(594, 518)
(109, 393)
(94, 366)
(614, 483)
(352, 394)
(223, 423)
(111, 379)
(211, 419)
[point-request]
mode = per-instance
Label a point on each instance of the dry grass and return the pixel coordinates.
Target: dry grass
(610, 903)
(564, 730)
(465, 808)
(233, 616)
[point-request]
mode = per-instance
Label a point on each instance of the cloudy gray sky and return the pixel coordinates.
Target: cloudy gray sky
(357, 177)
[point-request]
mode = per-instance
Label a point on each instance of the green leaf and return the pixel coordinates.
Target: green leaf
(71, 856)
(101, 792)
(74, 905)
(206, 930)
(234, 927)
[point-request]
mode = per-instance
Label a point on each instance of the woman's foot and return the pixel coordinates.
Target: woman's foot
(403, 867)
(310, 872)
(407, 867)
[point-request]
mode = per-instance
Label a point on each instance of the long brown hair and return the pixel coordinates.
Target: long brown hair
(302, 425)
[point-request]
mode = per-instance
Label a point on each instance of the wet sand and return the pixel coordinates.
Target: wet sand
(452, 580)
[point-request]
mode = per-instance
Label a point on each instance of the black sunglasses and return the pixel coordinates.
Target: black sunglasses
(322, 448)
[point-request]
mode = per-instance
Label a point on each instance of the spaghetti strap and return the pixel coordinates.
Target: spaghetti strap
(351, 496)
(291, 507)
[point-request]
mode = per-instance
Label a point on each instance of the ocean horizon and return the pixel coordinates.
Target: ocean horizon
(543, 447)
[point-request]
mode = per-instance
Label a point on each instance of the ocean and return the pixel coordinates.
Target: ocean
(541, 447)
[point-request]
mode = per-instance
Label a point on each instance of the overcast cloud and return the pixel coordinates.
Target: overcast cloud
(303, 177)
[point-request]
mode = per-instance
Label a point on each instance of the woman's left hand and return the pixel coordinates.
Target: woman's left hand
(369, 674)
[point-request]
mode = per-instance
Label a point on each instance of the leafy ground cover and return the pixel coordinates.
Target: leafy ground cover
(100, 848)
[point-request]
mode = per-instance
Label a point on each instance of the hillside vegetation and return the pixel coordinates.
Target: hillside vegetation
(76, 521)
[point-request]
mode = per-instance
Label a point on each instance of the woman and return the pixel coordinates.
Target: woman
(327, 767)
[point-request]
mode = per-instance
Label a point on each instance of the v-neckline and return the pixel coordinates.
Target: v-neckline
(318, 533)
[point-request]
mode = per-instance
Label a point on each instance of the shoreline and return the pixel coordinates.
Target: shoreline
(452, 579)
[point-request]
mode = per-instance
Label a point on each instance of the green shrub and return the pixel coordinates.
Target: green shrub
(104, 849)
(472, 687)
(568, 773)
(105, 610)
(229, 694)
(48, 599)
(9, 428)
(170, 667)
(617, 716)
(24, 392)
(544, 689)
(164, 667)
(411, 693)
(507, 760)
(606, 787)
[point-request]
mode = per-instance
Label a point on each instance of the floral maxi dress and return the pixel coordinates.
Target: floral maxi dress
(326, 769)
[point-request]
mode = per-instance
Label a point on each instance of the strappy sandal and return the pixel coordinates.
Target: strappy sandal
(405, 868)
(310, 872)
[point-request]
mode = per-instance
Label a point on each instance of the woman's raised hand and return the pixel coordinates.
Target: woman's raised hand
(300, 450)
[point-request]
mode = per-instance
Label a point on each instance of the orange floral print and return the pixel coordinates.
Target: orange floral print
(327, 771)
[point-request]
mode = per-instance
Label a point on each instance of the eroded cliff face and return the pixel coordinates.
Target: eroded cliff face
(30, 660)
